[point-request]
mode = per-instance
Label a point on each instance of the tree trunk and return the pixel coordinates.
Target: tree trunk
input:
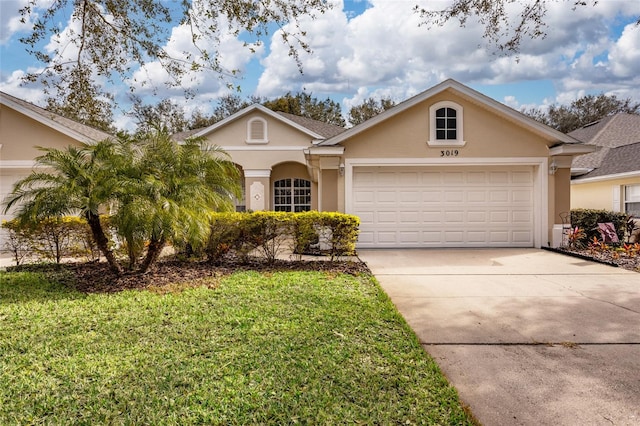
(102, 241)
(153, 252)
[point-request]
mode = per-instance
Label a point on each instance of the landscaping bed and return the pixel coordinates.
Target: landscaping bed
(607, 257)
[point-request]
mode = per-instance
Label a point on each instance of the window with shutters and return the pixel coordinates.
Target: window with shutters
(257, 131)
(446, 124)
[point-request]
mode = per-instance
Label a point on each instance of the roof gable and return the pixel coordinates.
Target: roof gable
(468, 94)
(66, 126)
(300, 123)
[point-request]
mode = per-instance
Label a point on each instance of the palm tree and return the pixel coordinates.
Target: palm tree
(170, 193)
(75, 180)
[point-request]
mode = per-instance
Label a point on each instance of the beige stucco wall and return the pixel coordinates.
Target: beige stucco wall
(599, 194)
(406, 135)
(19, 135)
(329, 190)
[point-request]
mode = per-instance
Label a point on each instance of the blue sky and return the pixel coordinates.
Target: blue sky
(376, 48)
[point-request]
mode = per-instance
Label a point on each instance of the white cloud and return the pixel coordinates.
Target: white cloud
(14, 86)
(385, 48)
(232, 55)
(625, 54)
(10, 19)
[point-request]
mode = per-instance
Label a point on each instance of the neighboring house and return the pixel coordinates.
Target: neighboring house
(449, 167)
(608, 178)
(23, 126)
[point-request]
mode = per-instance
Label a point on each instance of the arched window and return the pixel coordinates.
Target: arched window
(292, 195)
(257, 130)
(446, 124)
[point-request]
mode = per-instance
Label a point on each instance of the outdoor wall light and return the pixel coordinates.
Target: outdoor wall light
(553, 167)
(341, 169)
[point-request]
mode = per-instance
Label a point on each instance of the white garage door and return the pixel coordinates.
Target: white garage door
(444, 206)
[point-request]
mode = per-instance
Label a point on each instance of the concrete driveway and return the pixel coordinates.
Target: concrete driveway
(527, 337)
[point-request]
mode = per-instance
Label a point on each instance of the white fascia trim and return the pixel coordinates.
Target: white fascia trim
(46, 121)
(264, 148)
(257, 173)
(606, 177)
(572, 149)
(17, 164)
(496, 161)
(325, 150)
(540, 185)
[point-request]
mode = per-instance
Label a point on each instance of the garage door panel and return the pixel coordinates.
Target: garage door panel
(431, 196)
(477, 217)
(523, 237)
(522, 216)
(497, 178)
(477, 178)
(452, 178)
(454, 196)
(525, 177)
(387, 217)
(447, 207)
(475, 196)
(499, 196)
(522, 196)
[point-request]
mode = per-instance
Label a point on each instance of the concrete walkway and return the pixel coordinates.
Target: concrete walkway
(527, 337)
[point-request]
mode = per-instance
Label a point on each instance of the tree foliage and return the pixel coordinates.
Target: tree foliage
(166, 115)
(506, 22)
(83, 102)
(369, 108)
(107, 38)
(583, 111)
(305, 105)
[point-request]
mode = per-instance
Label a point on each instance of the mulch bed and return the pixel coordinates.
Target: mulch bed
(171, 274)
(605, 257)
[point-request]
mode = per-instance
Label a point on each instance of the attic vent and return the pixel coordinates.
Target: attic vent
(257, 131)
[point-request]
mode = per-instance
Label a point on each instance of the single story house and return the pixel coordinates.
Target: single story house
(23, 126)
(608, 178)
(449, 167)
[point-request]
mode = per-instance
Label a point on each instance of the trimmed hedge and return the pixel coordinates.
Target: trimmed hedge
(49, 240)
(268, 234)
(262, 234)
(588, 219)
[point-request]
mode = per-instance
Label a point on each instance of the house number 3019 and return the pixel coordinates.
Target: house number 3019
(449, 153)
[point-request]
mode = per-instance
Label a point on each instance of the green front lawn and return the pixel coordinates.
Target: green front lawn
(254, 348)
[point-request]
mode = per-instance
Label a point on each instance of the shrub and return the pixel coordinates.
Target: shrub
(588, 219)
(266, 234)
(50, 239)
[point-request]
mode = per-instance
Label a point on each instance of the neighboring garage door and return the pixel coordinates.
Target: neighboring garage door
(444, 206)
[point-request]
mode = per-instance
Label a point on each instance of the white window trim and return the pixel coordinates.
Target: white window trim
(293, 188)
(628, 200)
(265, 138)
(433, 141)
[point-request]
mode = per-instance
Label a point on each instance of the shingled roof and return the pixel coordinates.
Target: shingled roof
(325, 129)
(617, 138)
(72, 128)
